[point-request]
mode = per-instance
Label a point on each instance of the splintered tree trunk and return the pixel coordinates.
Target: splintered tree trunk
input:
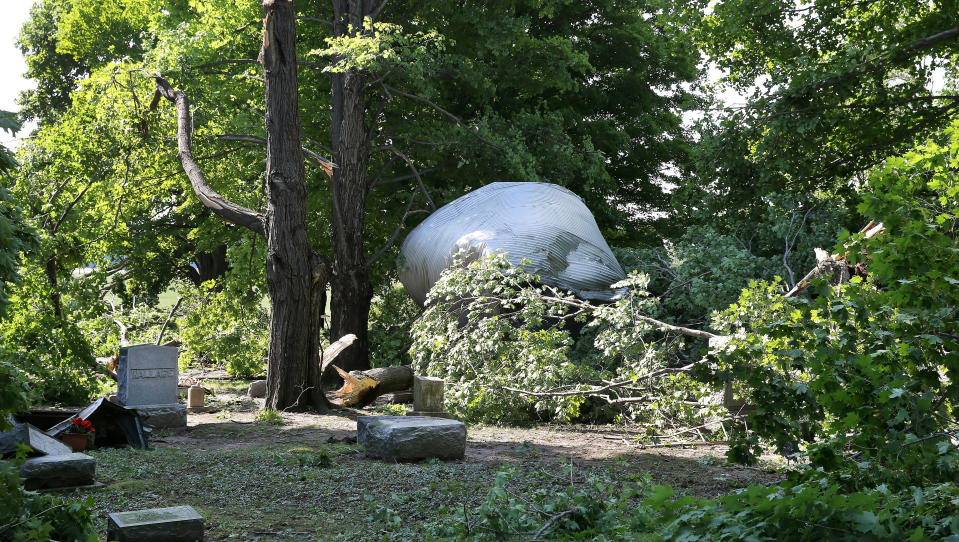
(293, 365)
(351, 288)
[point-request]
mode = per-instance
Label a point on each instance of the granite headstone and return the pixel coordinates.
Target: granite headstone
(147, 381)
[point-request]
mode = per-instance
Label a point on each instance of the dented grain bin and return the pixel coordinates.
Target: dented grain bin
(543, 223)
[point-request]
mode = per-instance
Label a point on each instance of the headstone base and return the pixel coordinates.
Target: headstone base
(415, 438)
(58, 471)
(162, 416)
(176, 524)
(363, 421)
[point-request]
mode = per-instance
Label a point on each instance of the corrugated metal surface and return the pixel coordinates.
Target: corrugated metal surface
(544, 223)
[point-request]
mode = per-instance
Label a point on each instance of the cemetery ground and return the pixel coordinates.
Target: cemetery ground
(302, 477)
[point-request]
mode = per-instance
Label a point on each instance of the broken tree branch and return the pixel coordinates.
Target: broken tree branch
(211, 199)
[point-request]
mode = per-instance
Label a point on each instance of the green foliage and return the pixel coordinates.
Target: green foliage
(392, 313)
(817, 78)
(484, 330)
(816, 511)
(271, 417)
(26, 516)
(705, 268)
(593, 509)
(503, 344)
(53, 357)
(865, 371)
(380, 47)
(226, 325)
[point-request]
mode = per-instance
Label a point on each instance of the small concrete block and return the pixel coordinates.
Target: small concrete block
(162, 416)
(363, 421)
(176, 524)
(57, 471)
(415, 438)
(428, 394)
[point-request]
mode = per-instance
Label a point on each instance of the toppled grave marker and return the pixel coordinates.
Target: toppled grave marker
(413, 438)
(115, 425)
(175, 524)
(58, 471)
(28, 435)
(363, 421)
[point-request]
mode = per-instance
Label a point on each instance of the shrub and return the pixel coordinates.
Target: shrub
(392, 313)
(226, 324)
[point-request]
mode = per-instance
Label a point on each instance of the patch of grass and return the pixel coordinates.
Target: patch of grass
(390, 410)
(269, 416)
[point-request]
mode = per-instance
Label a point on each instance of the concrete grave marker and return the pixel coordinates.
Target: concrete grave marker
(58, 471)
(428, 397)
(147, 381)
(415, 438)
(175, 524)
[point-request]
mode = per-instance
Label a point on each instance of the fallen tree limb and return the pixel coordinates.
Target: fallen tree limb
(361, 388)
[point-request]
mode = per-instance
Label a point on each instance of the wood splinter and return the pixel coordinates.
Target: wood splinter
(361, 388)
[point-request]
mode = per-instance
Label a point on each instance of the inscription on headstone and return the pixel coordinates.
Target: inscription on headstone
(147, 375)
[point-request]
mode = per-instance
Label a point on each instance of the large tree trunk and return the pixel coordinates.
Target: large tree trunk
(352, 291)
(293, 364)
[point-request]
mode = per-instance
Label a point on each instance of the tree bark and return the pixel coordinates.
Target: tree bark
(361, 388)
(293, 362)
(351, 288)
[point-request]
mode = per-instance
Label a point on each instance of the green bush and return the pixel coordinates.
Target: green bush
(866, 372)
(226, 324)
(392, 313)
(52, 355)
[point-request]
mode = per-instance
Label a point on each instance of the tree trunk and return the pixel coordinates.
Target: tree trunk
(352, 291)
(50, 269)
(361, 388)
(293, 363)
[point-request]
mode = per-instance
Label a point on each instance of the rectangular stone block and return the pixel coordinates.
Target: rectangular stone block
(415, 438)
(428, 394)
(147, 375)
(162, 416)
(56, 471)
(363, 421)
(175, 524)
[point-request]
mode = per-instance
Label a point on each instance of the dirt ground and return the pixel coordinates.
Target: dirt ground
(301, 477)
(700, 469)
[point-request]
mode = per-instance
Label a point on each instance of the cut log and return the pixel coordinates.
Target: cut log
(361, 388)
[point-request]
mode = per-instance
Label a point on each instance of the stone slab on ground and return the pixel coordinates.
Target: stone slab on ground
(27, 434)
(175, 524)
(363, 421)
(428, 414)
(58, 471)
(410, 438)
(162, 416)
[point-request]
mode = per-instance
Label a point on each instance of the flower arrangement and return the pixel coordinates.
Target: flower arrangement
(80, 426)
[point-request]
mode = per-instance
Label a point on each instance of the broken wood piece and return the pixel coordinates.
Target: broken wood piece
(828, 265)
(361, 388)
(330, 352)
